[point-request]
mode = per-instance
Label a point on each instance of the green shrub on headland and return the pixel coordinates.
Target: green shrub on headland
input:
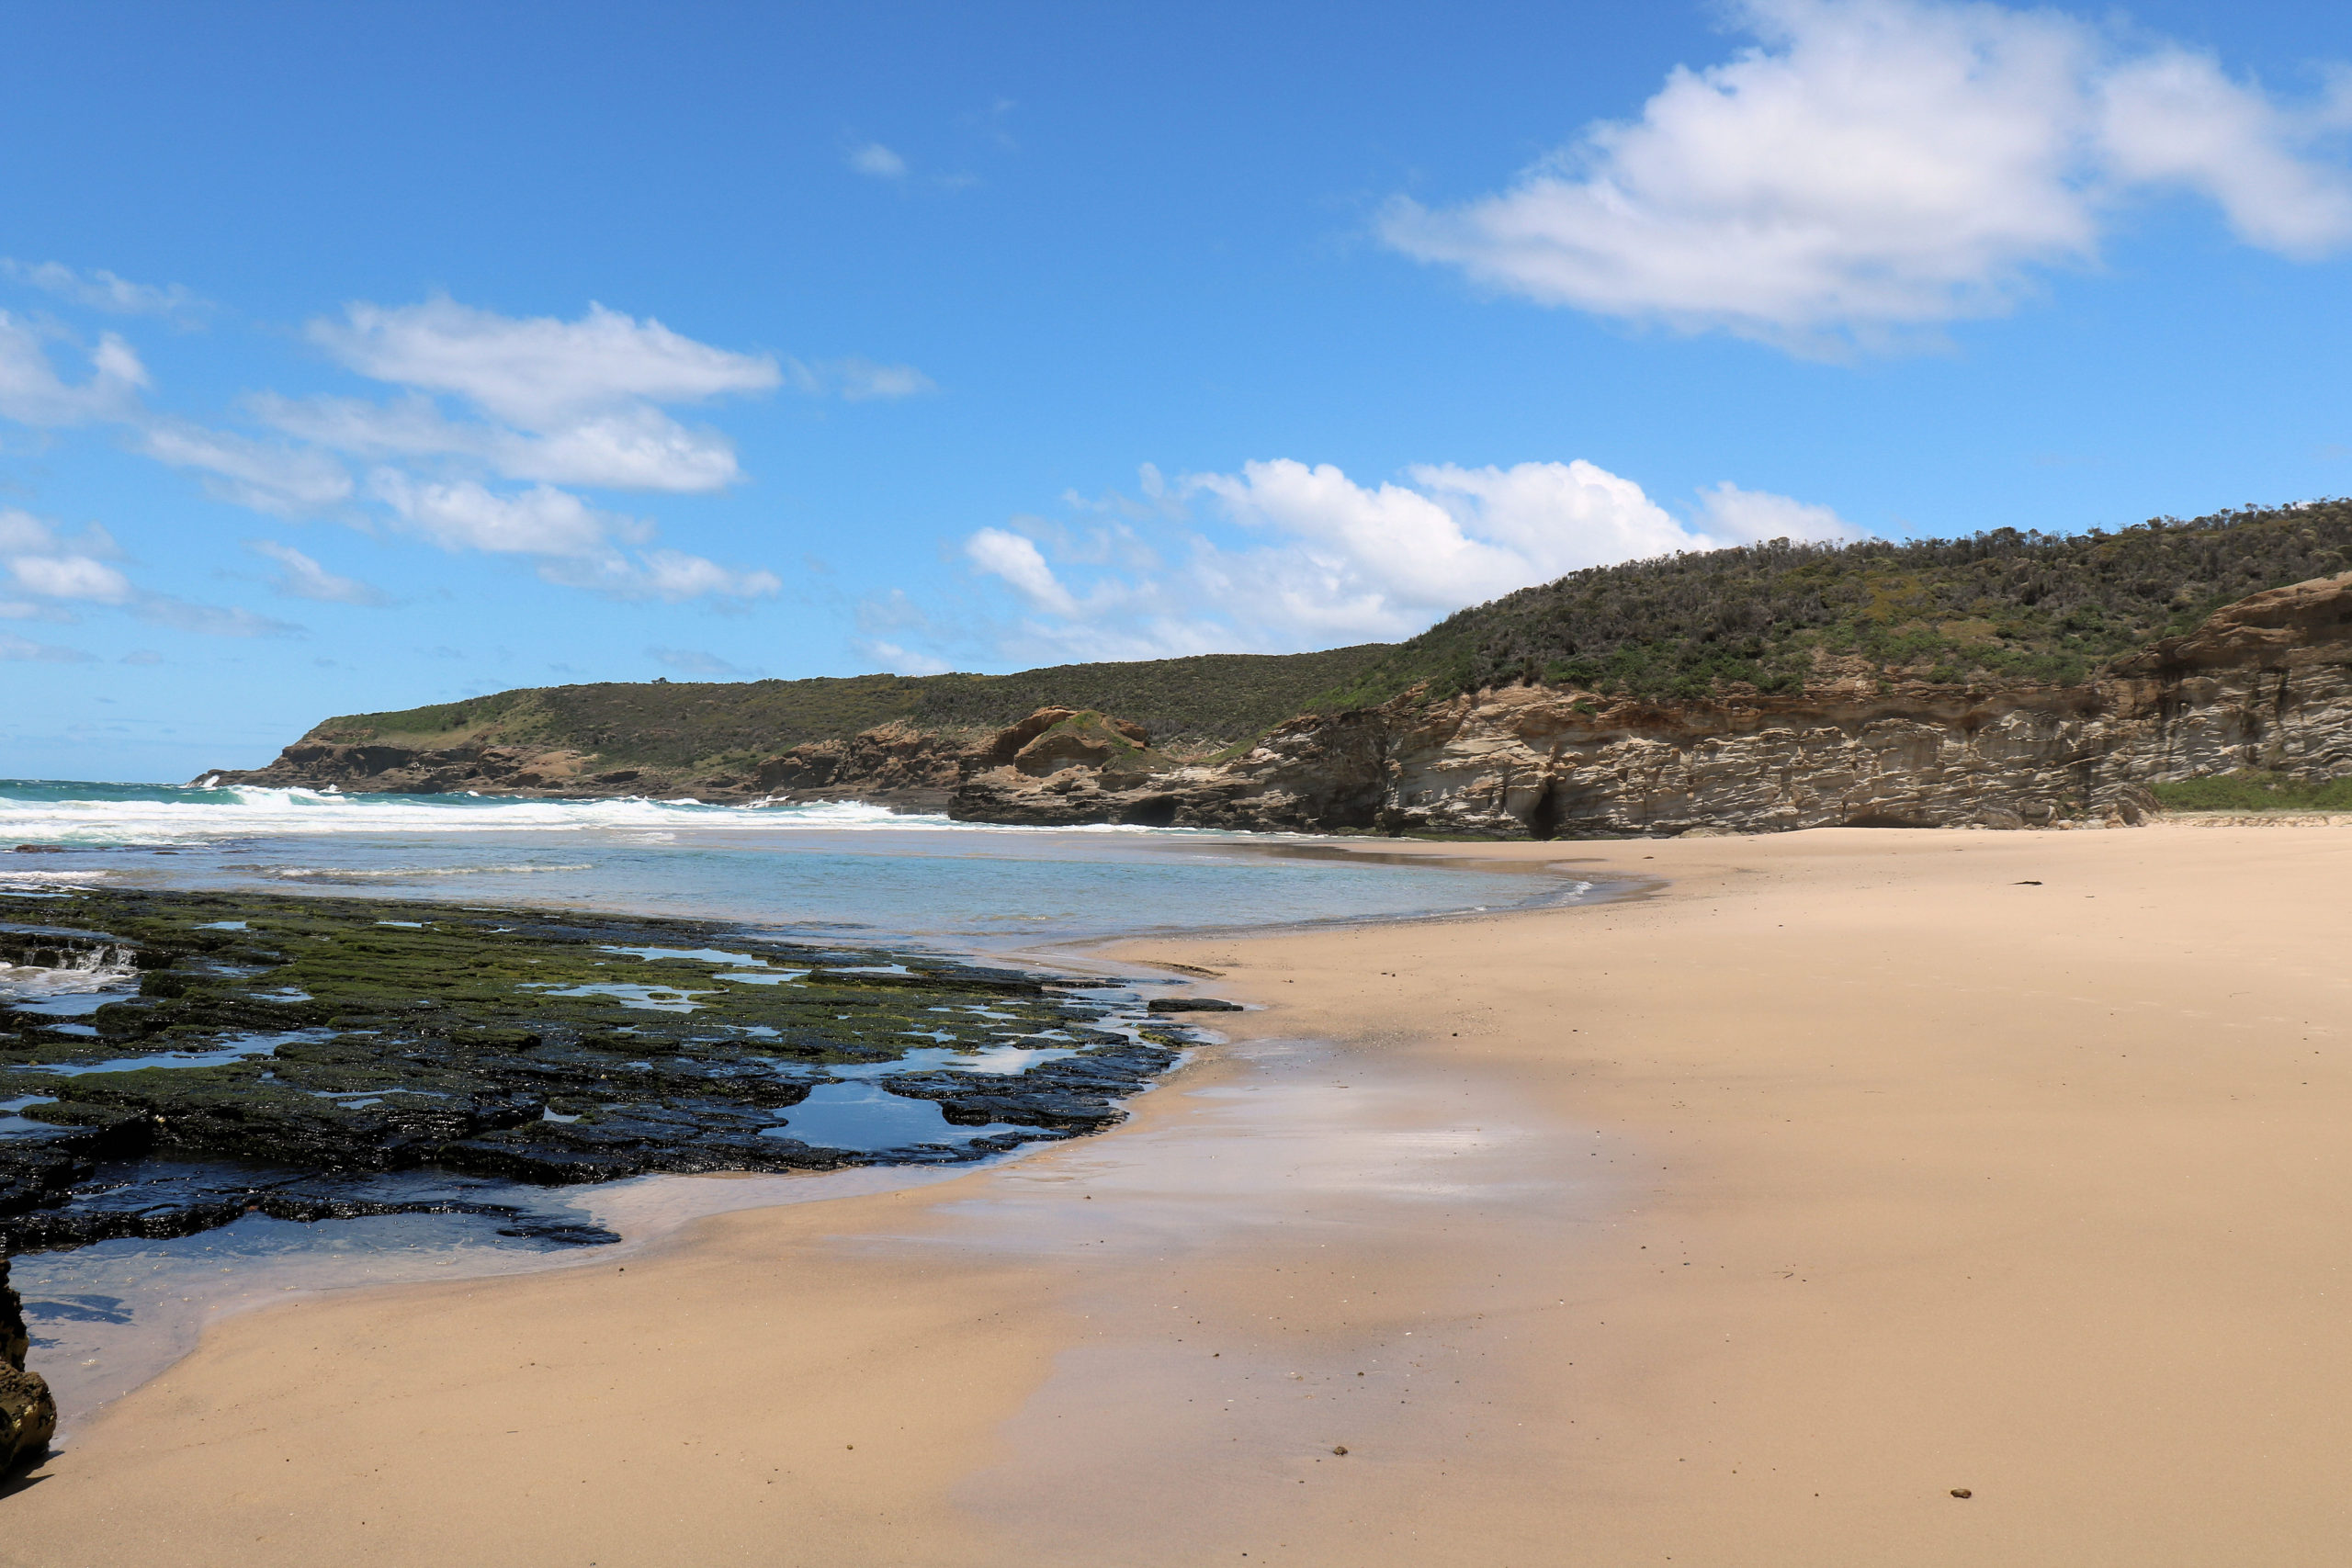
(2000, 606)
(2253, 790)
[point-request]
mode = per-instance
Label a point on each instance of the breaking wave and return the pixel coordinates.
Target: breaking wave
(166, 814)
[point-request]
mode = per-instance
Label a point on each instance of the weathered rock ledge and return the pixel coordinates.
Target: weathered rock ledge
(2266, 682)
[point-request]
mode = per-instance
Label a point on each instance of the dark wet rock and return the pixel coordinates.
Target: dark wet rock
(28, 1414)
(1192, 1004)
(1073, 1095)
(300, 1044)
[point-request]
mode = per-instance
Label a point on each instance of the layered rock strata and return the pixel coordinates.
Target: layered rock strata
(2264, 683)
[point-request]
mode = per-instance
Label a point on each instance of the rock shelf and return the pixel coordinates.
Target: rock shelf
(203, 1055)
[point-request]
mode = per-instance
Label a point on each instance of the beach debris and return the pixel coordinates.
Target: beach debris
(1339, 1448)
(1963, 1491)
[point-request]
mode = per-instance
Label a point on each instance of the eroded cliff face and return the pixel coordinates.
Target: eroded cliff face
(2266, 682)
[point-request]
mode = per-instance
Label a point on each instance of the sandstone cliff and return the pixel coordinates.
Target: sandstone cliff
(2265, 682)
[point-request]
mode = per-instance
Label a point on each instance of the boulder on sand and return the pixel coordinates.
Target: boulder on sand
(28, 1414)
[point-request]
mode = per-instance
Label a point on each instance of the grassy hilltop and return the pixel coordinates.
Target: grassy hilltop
(2002, 605)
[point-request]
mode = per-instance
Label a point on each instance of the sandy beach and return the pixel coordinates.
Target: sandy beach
(1738, 1221)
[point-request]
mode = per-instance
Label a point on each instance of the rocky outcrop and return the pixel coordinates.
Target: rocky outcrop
(2264, 683)
(400, 770)
(28, 1414)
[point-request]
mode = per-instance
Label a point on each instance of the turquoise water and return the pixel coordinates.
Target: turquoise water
(839, 867)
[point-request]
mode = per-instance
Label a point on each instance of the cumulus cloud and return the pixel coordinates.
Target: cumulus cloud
(102, 291)
(300, 577)
(1322, 559)
(1870, 168)
(32, 392)
(878, 162)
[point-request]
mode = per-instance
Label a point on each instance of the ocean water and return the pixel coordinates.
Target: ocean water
(105, 1317)
(842, 869)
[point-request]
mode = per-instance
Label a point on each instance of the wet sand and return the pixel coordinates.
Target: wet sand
(1738, 1223)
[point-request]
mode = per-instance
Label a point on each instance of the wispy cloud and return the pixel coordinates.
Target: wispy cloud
(858, 380)
(25, 649)
(300, 577)
(32, 392)
(103, 290)
(877, 162)
(695, 662)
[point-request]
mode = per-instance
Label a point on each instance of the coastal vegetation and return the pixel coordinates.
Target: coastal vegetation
(2005, 606)
(2253, 790)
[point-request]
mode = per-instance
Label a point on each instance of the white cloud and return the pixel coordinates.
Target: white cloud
(878, 161)
(568, 403)
(1748, 516)
(671, 576)
(540, 373)
(1873, 168)
(1341, 561)
(464, 516)
(2173, 117)
(1018, 561)
(71, 577)
(31, 391)
(286, 482)
(901, 661)
(632, 448)
(51, 565)
(76, 568)
(300, 577)
(574, 543)
(25, 649)
(103, 290)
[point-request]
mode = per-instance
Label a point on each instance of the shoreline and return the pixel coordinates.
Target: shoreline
(1958, 1239)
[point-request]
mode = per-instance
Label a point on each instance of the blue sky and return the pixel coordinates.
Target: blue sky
(360, 356)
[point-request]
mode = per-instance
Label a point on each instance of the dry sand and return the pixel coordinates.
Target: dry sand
(1736, 1224)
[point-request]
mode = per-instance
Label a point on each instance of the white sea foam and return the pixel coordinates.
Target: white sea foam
(57, 815)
